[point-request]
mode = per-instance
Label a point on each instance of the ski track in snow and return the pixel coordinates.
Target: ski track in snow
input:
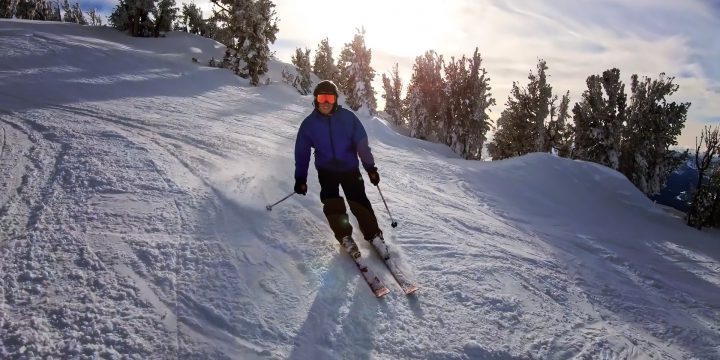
(133, 226)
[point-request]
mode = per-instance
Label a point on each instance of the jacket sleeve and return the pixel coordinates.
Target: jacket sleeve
(303, 143)
(360, 140)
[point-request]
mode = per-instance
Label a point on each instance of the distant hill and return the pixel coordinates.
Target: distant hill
(679, 187)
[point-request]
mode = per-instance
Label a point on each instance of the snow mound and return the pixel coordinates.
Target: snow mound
(133, 185)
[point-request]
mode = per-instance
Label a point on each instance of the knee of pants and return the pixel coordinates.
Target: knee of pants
(334, 209)
(361, 208)
(334, 206)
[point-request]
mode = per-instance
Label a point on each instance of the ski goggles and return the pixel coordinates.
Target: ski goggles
(326, 98)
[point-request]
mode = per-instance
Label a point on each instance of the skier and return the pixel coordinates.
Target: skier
(338, 137)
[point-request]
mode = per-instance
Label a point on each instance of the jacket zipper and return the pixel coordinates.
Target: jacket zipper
(332, 143)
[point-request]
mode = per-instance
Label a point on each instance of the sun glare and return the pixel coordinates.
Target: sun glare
(404, 28)
(401, 27)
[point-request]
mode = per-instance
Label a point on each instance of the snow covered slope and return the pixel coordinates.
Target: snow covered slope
(132, 225)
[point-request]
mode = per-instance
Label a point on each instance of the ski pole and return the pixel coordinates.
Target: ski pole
(269, 207)
(393, 222)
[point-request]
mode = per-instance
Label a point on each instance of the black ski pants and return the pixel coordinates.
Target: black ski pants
(334, 205)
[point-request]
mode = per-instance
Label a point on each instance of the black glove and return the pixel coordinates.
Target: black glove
(300, 186)
(374, 176)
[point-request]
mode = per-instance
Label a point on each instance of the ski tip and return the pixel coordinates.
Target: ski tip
(381, 292)
(411, 290)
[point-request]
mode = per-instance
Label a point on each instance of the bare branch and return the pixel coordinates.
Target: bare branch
(216, 2)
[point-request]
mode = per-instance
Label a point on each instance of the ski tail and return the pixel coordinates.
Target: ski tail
(392, 264)
(376, 285)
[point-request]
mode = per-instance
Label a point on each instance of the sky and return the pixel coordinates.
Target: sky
(576, 38)
(133, 186)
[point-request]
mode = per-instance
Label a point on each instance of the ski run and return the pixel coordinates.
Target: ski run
(133, 187)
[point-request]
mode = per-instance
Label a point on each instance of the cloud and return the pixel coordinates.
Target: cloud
(576, 37)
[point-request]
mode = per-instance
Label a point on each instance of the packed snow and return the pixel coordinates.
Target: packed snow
(133, 186)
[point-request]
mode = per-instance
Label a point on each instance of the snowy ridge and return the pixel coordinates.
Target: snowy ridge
(133, 186)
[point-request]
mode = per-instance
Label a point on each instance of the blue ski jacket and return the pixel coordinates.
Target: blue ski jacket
(338, 140)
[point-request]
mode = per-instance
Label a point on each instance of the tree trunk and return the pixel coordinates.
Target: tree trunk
(156, 28)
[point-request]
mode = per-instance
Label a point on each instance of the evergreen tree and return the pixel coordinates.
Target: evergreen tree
(479, 100)
(212, 30)
(356, 74)
(25, 9)
(251, 25)
(560, 133)
(599, 120)
(221, 29)
(133, 16)
(514, 127)
(424, 101)
(705, 207)
(705, 198)
(542, 100)
(7, 9)
(451, 127)
(56, 13)
(192, 18)
(323, 64)
(95, 19)
(68, 12)
(714, 189)
(120, 17)
(521, 127)
(301, 60)
(392, 87)
(653, 125)
(41, 10)
(33, 10)
(78, 15)
(165, 13)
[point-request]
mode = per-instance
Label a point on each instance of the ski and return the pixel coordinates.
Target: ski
(376, 285)
(391, 262)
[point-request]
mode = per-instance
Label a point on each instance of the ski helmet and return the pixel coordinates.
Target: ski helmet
(326, 87)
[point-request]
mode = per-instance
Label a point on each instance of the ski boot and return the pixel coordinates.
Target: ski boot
(378, 242)
(350, 246)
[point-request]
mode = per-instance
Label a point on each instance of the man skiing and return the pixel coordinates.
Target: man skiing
(339, 138)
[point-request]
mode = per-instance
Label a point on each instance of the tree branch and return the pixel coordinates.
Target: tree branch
(216, 2)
